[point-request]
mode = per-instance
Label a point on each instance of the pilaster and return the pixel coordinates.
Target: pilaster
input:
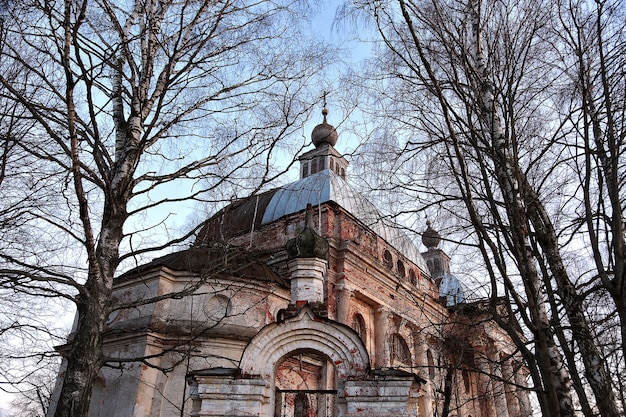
(344, 295)
(223, 395)
(307, 279)
(381, 337)
(382, 397)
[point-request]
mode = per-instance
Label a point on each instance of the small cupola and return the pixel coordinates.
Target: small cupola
(324, 133)
(307, 262)
(431, 238)
(324, 136)
(437, 260)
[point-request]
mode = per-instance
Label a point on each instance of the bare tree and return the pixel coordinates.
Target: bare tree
(132, 109)
(479, 87)
(593, 106)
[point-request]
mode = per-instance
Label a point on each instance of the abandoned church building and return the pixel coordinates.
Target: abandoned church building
(304, 301)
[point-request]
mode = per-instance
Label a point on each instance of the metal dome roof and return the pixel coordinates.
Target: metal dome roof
(451, 288)
(326, 186)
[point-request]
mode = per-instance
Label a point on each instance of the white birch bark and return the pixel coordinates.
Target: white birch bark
(555, 373)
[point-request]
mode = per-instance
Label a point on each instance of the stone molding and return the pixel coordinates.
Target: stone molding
(306, 331)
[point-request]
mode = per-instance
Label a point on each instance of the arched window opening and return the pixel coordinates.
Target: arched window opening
(305, 169)
(359, 326)
(400, 353)
(343, 173)
(437, 265)
(400, 268)
(412, 277)
(305, 386)
(387, 259)
(466, 381)
(313, 166)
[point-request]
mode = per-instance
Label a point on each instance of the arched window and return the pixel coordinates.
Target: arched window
(359, 326)
(400, 353)
(313, 166)
(437, 265)
(412, 277)
(305, 169)
(400, 268)
(466, 380)
(343, 173)
(305, 386)
(387, 259)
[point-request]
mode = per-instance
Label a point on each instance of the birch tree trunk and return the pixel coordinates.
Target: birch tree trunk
(443, 60)
(526, 212)
(553, 369)
(134, 108)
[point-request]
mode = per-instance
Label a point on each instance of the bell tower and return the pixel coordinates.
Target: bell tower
(437, 260)
(324, 156)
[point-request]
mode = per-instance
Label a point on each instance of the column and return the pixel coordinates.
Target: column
(425, 402)
(483, 385)
(498, 388)
(522, 394)
(511, 391)
(381, 338)
(344, 295)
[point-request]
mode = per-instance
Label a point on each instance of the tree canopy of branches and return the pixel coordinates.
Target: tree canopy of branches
(509, 117)
(115, 116)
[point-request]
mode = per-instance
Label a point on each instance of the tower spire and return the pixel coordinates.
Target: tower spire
(324, 133)
(324, 156)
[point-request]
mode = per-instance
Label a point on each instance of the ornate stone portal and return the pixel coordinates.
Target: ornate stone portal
(252, 389)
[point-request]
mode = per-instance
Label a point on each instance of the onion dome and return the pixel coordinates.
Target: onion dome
(430, 237)
(308, 244)
(324, 133)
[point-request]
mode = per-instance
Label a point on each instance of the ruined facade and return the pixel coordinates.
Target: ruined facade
(302, 301)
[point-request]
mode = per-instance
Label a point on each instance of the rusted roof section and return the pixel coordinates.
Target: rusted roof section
(239, 217)
(215, 261)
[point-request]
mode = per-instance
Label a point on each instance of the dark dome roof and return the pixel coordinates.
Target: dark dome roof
(237, 218)
(214, 259)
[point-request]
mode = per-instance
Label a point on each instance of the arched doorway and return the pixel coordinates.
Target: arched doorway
(305, 386)
(309, 358)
